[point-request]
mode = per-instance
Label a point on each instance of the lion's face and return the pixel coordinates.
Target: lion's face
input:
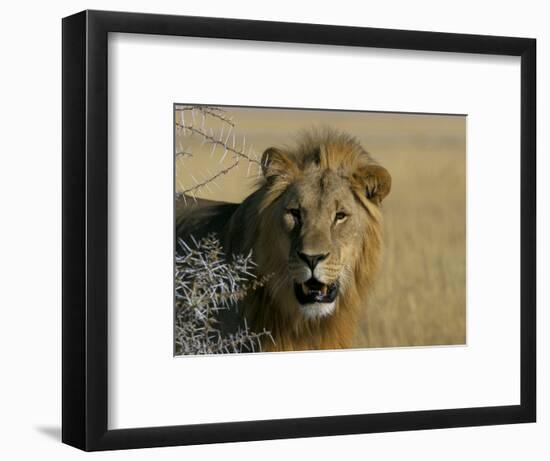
(322, 227)
(321, 221)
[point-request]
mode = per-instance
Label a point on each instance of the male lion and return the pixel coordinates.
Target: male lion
(314, 226)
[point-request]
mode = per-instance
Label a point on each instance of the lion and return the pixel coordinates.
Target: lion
(314, 225)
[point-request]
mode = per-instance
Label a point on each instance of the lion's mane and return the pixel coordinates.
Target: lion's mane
(250, 226)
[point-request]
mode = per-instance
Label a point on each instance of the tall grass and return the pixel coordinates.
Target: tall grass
(419, 297)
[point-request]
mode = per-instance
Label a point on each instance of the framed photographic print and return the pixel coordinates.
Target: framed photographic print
(276, 230)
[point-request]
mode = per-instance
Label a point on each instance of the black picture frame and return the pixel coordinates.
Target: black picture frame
(85, 219)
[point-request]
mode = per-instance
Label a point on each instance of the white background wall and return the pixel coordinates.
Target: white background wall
(30, 226)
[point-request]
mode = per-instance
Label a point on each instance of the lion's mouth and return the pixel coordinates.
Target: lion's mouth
(314, 291)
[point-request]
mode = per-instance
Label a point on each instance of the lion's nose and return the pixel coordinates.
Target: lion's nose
(312, 260)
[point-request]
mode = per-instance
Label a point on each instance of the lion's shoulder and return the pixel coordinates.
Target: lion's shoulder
(201, 217)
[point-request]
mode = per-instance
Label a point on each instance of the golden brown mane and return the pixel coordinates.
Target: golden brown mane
(252, 227)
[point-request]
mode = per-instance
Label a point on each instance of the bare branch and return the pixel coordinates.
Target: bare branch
(206, 284)
(199, 185)
(184, 154)
(214, 112)
(210, 138)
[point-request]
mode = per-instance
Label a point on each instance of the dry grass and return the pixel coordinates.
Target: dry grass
(419, 297)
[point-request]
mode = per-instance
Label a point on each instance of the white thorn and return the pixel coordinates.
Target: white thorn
(223, 156)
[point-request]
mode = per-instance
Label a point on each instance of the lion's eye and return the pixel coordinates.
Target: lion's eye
(340, 216)
(295, 212)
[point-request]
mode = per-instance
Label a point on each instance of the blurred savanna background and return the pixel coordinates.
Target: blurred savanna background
(419, 297)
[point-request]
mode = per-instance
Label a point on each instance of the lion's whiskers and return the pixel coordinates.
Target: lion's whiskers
(346, 275)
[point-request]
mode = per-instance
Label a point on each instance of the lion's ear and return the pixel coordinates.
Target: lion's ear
(276, 163)
(377, 182)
